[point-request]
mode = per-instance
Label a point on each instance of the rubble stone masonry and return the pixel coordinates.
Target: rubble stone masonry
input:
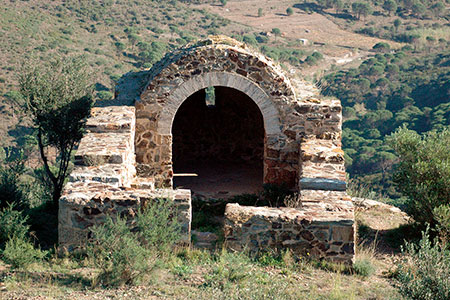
(125, 158)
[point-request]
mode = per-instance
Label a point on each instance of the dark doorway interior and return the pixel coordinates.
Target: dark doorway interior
(221, 141)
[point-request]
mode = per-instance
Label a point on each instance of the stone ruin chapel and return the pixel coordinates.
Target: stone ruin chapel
(259, 128)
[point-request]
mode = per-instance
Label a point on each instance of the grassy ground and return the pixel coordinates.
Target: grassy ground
(195, 274)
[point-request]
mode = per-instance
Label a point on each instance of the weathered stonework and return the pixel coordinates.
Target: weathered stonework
(103, 181)
(314, 230)
(126, 159)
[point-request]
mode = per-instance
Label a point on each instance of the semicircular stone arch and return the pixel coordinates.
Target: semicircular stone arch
(272, 124)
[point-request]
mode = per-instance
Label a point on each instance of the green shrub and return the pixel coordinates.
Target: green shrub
(381, 46)
(442, 217)
(123, 254)
(230, 268)
(317, 55)
(363, 267)
(250, 40)
(20, 252)
(105, 95)
(311, 60)
(11, 189)
(424, 272)
(271, 258)
(12, 224)
(118, 253)
(158, 226)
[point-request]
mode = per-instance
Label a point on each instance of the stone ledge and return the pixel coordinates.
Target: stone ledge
(112, 174)
(322, 184)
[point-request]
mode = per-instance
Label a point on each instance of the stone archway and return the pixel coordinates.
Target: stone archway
(269, 112)
(268, 109)
(216, 62)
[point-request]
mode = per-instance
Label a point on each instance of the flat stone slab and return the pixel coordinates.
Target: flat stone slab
(322, 184)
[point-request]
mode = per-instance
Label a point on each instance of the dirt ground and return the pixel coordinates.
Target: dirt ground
(220, 180)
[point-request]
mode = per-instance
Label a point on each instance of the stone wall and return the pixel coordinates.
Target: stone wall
(315, 231)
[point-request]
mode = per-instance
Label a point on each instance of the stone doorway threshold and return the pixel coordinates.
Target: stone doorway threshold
(219, 180)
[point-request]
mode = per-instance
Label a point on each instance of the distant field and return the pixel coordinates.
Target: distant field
(314, 27)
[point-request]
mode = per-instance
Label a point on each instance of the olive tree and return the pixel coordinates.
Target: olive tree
(57, 96)
(423, 172)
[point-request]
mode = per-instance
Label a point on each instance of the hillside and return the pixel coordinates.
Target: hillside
(117, 37)
(321, 41)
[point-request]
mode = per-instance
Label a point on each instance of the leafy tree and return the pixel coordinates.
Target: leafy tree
(120, 47)
(57, 97)
(361, 9)
(134, 38)
(397, 24)
(289, 11)
(390, 6)
(418, 9)
(338, 5)
(423, 172)
(276, 32)
(223, 2)
(260, 12)
(438, 8)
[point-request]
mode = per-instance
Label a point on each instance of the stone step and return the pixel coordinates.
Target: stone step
(143, 183)
(204, 240)
(323, 196)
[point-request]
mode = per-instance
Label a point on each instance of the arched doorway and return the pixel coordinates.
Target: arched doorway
(218, 144)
